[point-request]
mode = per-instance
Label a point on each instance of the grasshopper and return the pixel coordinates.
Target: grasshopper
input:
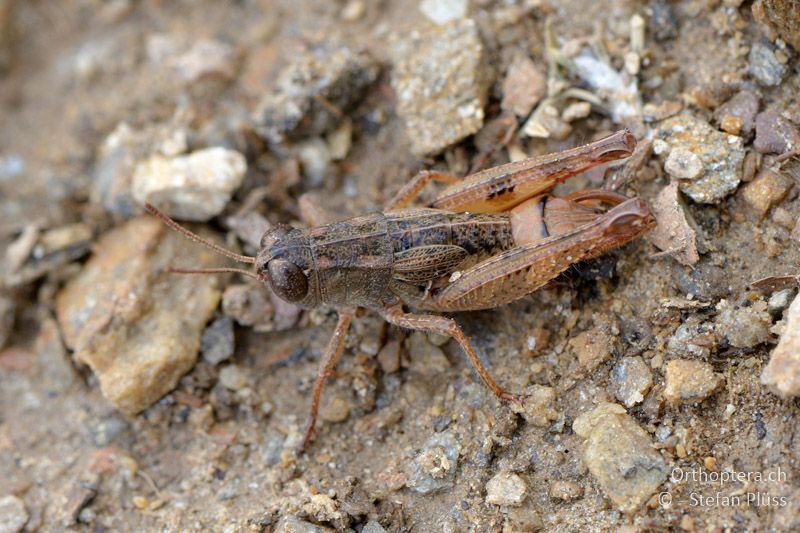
(487, 239)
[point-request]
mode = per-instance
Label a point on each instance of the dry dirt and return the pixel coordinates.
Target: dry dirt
(207, 457)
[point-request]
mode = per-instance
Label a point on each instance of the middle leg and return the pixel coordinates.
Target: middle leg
(449, 328)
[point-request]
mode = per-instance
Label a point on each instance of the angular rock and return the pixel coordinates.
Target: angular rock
(441, 80)
(782, 373)
(767, 190)
(193, 187)
(620, 455)
(135, 325)
(743, 106)
(745, 326)
(444, 11)
(631, 378)
(775, 134)
(721, 156)
(323, 78)
(434, 467)
(690, 381)
(675, 232)
(594, 346)
(13, 514)
(217, 342)
(783, 16)
(506, 488)
(764, 64)
(524, 86)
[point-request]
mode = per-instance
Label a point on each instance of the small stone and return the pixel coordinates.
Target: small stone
(631, 379)
(764, 66)
(783, 16)
(353, 10)
(620, 455)
(538, 408)
(775, 134)
(249, 227)
(137, 326)
(434, 467)
(675, 232)
(565, 491)
(232, 377)
(524, 86)
(744, 327)
(335, 410)
(782, 373)
(249, 305)
(731, 124)
(389, 357)
(767, 190)
(721, 156)
(207, 58)
(658, 112)
(690, 381)
(193, 187)
(106, 431)
(373, 527)
(737, 116)
(594, 346)
(217, 343)
(441, 81)
(322, 82)
(292, 524)
(444, 11)
(316, 159)
(13, 514)
(506, 488)
(684, 164)
(779, 302)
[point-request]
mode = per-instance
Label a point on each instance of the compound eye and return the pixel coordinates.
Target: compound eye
(287, 280)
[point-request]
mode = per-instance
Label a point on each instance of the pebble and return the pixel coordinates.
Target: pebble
(336, 409)
(249, 305)
(565, 491)
(782, 373)
(745, 326)
(523, 87)
(316, 159)
(684, 164)
(13, 514)
(207, 58)
(322, 78)
(441, 78)
(135, 325)
(631, 379)
(250, 227)
(764, 65)
(721, 156)
(706, 281)
(538, 408)
(506, 488)
(217, 342)
(106, 431)
(373, 527)
(768, 189)
(779, 302)
(620, 455)
(232, 377)
(444, 11)
(775, 134)
(7, 307)
(783, 16)
(389, 357)
(292, 524)
(434, 467)
(675, 229)
(594, 346)
(193, 187)
(743, 107)
(690, 381)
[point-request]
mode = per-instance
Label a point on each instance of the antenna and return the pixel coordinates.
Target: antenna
(258, 277)
(197, 238)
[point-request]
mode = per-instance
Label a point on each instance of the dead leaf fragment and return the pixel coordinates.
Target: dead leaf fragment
(675, 233)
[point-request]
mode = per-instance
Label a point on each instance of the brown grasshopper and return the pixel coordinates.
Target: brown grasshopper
(487, 240)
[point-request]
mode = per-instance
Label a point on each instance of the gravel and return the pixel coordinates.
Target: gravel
(506, 488)
(690, 381)
(782, 373)
(765, 67)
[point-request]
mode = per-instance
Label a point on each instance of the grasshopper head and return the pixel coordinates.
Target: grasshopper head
(286, 261)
